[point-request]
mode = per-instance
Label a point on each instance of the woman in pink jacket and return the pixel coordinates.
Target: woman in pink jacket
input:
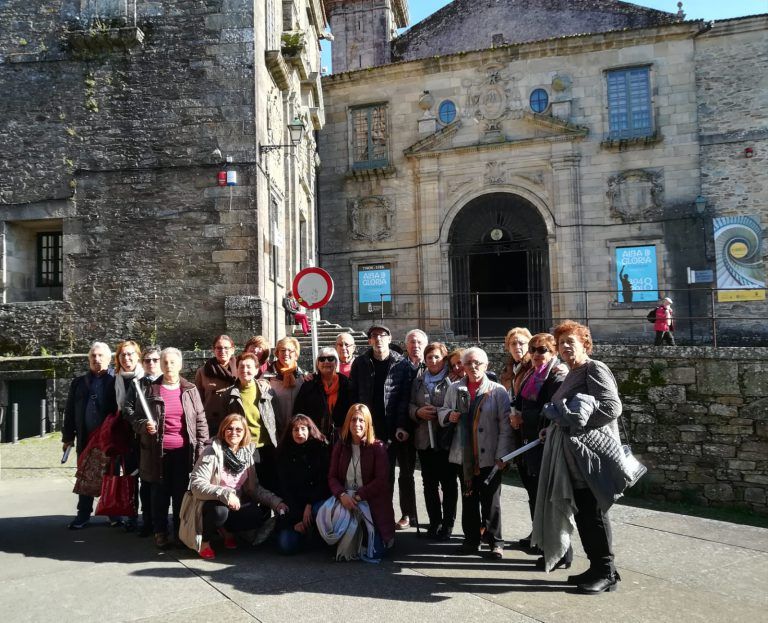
(664, 326)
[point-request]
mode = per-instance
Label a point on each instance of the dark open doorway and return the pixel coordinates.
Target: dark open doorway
(499, 267)
(502, 281)
(27, 394)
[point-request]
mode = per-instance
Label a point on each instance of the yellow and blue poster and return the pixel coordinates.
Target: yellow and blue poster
(637, 274)
(374, 288)
(740, 267)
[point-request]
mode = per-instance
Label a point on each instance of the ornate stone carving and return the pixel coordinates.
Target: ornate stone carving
(370, 218)
(496, 172)
(534, 177)
(455, 184)
(636, 194)
(492, 98)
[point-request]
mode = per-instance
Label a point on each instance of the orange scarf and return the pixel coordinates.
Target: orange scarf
(288, 374)
(332, 392)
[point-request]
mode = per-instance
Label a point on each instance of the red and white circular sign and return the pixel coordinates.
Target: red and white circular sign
(313, 287)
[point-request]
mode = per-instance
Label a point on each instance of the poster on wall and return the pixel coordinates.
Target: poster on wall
(740, 266)
(637, 274)
(374, 288)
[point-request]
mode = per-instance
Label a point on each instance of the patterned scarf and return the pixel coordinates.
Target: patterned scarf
(235, 463)
(535, 380)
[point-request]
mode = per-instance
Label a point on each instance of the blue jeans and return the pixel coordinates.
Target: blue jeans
(291, 542)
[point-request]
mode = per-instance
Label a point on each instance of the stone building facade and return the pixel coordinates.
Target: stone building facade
(513, 161)
(117, 118)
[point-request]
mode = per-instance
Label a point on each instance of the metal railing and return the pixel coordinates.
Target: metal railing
(699, 316)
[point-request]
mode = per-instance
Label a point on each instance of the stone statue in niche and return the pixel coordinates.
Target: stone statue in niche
(496, 172)
(636, 194)
(370, 218)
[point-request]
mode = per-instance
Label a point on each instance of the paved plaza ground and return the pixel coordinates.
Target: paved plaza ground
(674, 568)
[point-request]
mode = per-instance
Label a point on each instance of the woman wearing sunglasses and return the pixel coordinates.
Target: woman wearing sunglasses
(325, 398)
(224, 480)
(539, 383)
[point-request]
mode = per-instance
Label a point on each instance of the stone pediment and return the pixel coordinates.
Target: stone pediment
(526, 129)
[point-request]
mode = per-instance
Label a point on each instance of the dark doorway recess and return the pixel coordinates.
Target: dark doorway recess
(27, 394)
(499, 267)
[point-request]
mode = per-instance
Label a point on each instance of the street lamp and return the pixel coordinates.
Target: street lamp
(701, 205)
(296, 130)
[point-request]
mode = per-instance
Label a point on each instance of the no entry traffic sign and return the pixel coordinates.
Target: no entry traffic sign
(313, 287)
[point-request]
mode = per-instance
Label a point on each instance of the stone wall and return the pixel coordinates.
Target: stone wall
(697, 417)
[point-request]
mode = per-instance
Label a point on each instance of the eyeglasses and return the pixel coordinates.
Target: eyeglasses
(151, 359)
(326, 359)
(475, 364)
(128, 353)
(224, 348)
(234, 429)
(285, 351)
(541, 350)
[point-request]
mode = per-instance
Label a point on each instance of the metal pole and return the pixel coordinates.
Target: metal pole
(381, 303)
(15, 422)
(43, 417)
(315, 347)
(690, 313)
(714, 319)
(477, 314)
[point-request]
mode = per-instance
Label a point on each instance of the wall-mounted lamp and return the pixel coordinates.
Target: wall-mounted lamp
(295, 129)
(749, 152)
(701, 205)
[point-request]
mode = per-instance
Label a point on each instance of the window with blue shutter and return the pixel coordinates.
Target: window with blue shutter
(369, 137)
(629, 102)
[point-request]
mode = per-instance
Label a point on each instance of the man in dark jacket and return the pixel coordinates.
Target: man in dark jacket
(381, 379)
(91, 398)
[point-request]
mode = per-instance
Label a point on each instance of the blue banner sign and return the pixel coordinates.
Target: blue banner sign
(637, 274)
(374, 286)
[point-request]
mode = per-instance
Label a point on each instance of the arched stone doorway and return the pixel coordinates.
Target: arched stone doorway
(499, 267)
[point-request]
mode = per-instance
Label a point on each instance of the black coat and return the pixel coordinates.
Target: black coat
(302, 472)
(397, 391)
(73, 427)
(311, 401)
(533, 420)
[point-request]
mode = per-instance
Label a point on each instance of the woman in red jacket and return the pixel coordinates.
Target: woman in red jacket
(360, 472)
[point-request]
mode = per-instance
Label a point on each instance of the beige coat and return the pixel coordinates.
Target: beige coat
(204, 484)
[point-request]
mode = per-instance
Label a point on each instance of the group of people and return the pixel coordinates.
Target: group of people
(256, 445)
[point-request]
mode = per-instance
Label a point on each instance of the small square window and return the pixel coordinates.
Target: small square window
(50, 257)
(629, 103)
(369, 137)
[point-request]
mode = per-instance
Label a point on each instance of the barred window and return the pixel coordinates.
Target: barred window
(629, 102)
(49, 259)
(369, 137)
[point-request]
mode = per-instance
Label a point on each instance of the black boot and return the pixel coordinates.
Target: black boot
(604, 584)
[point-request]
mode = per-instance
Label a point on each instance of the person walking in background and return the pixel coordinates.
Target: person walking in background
(345, 348)
(217, 373)
(293, 313)
(664, 325)
(91, 398)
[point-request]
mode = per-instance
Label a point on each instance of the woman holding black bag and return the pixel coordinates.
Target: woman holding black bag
(432, 441)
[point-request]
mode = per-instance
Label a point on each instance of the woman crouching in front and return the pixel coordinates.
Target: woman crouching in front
(359, 474)
(224, 479)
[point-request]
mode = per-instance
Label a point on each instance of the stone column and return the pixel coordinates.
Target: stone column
(566, 254)
(431, 264)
